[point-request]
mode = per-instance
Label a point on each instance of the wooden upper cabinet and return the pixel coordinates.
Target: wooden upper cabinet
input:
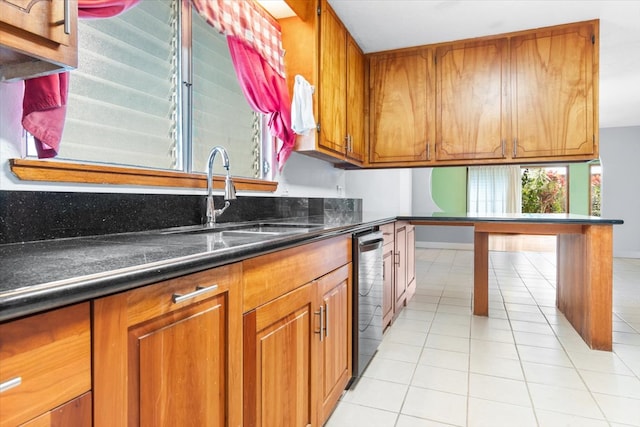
(355, 101)
(402, 106)
(332, 88)
(471, 100)
(33, 40)
(554, 88)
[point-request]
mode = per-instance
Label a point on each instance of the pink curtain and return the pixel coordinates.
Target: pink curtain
(266, 91)
(44, 105)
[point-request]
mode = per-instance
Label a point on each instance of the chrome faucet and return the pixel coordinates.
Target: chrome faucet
(229, 189)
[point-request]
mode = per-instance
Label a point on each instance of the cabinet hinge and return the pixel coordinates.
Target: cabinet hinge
(318, 127)
(318, 11)
(593, 39)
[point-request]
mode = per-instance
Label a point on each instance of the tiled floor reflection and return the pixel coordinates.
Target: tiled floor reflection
(524, 365)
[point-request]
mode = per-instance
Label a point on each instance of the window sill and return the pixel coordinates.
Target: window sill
(82, 173)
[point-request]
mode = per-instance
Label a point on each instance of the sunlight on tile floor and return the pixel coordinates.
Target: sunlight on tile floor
(524, 365)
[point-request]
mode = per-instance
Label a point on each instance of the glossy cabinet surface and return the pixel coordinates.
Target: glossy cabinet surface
(169, 352)
(45, 361)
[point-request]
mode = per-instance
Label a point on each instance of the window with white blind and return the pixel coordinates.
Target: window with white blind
(128, 106)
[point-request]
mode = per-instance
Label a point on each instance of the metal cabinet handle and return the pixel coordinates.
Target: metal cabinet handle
(515, 147)
(503, 142)
(9, 384)
(397, 258)
(322, 327)
(177, 298)
(67, 17)
(428, 151)
(326, 320)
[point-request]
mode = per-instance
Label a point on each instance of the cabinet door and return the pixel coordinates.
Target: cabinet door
(402, 106)
(400, 293)
(161, 359)
(333, 81)
(553, 85)
(472, 82)
(335, 294)
(411, 261)
(355, 101)
(75, 413)
(279, 344)
(388, 263)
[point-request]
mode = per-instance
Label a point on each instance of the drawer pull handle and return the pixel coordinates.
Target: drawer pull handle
(177, 298)
(12, 383)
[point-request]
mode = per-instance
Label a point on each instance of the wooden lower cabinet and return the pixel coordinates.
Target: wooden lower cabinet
(398, 256)
(297, 347)
(75, 413)
(45, 364)
(169, 354)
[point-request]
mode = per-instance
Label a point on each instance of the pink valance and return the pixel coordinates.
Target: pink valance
(246, 20)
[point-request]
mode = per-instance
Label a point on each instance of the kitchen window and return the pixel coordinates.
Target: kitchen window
(155, 88)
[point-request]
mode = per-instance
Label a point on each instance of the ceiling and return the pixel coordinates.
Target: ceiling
(390, 24)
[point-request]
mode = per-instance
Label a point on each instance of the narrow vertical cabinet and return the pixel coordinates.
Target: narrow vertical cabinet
(320, 48)
(334, 336)
(399, 268)
(554, 85)
(297, 333)
(37, 38)
(402, 107)
(471, 100)
(170, 353)
(388, 273)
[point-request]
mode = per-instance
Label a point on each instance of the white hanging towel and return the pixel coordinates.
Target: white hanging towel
(302, 120)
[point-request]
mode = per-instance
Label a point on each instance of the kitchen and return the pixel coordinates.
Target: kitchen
(402, 188)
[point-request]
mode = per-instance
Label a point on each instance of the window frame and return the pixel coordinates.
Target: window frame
(65, 171)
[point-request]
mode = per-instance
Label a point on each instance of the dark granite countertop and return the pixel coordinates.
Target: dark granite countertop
(42, 275)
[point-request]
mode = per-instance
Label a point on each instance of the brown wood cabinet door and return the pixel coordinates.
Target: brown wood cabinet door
(400, 293)
(402, 106)
(75, 413)
(355, 101)
(335, 359)
(411, 261)
(158, 362)
(279, 343)
(333, 81)
(472, 82)
(552, 74)
(388, 263)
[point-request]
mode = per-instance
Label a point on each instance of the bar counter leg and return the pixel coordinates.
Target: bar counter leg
(584, 285)
(481, 274)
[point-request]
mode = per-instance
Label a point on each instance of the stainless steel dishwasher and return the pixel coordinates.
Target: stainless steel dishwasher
(367, 299)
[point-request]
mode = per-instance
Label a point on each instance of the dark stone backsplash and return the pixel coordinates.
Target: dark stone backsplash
(28, 216)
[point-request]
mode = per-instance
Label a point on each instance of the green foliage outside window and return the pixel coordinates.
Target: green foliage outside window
(543, 191)
(596, 198)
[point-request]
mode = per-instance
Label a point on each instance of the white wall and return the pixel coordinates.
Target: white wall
(387, 192)
(620, 156)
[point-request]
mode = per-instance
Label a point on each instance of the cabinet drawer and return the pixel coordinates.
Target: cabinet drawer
(45, 360)
(388, 231)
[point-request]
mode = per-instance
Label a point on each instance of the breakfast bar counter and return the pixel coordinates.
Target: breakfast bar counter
(584, 264)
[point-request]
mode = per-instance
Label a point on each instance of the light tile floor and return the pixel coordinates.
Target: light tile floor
(524, 365)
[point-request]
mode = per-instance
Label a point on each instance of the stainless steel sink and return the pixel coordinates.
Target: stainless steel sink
(247, 230)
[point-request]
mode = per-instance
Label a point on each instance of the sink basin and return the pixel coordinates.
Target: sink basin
(248, 230)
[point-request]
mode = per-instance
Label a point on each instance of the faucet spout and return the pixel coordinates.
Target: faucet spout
(229, 189)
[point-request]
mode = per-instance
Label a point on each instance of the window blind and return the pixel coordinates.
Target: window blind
(221, 114)
(122, 102)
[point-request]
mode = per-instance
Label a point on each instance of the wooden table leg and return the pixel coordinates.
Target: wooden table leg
(585, 284)
(481, 274)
